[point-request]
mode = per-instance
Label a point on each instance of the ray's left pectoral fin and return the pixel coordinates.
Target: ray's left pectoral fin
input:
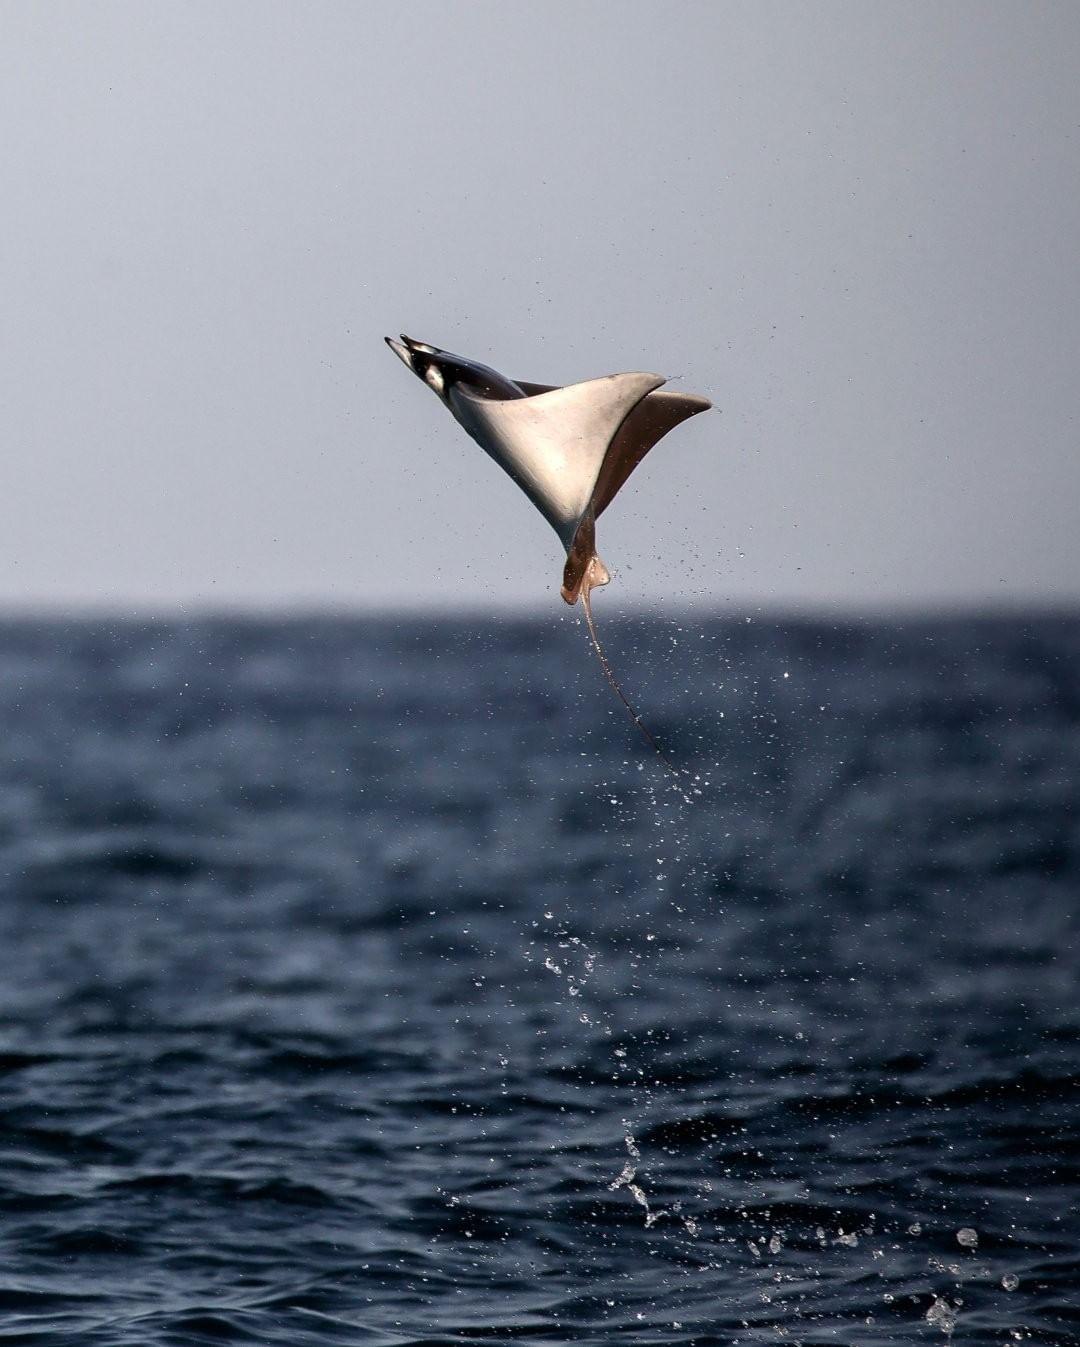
(644, 427)
(554, 443)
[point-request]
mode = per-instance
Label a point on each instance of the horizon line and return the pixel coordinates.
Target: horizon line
(773, 610)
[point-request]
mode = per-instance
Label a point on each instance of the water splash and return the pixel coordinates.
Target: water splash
(628, 1180)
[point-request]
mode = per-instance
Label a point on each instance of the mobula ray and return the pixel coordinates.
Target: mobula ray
(570, 449)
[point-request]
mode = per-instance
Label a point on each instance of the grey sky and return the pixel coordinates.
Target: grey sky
(856, 227)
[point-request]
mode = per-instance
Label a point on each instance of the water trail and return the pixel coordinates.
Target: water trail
(627, 1180)
(669, 766)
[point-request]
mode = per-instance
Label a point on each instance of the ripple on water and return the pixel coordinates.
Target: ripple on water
(346, 998)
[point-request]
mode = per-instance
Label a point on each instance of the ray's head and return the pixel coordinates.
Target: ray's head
(442, 370)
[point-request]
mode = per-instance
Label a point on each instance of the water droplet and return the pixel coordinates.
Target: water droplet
(968, 1238)
(941, 1315)
(1010, 1281)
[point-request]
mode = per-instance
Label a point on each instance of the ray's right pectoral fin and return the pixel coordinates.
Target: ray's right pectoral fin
(554, 443)
(644, 427)
(646, 424)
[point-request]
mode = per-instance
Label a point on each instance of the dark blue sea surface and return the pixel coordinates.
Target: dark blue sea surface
(368, 982)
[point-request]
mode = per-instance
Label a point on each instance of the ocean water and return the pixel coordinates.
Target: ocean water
(366, 982)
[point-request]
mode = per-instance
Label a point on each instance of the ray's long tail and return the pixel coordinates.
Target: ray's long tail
(669, 766)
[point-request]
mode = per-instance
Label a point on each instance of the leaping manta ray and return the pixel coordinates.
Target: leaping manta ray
(570, 449)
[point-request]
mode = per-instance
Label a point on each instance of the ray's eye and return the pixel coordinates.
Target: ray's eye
(433, 377)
